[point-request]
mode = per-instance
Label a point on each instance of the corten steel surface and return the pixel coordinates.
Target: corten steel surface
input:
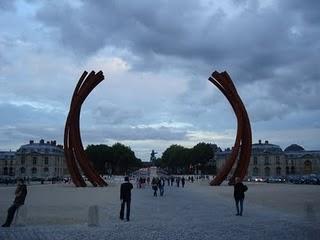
(242, 146)
(74, 153)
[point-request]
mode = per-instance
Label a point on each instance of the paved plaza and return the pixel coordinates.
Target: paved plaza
(272, 211)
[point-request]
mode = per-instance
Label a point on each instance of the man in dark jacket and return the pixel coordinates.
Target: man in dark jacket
(125, 197)
(238, 194)
(20, 193)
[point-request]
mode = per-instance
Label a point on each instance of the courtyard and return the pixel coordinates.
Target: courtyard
(271, 211)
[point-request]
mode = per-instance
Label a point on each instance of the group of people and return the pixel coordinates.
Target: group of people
(125, 196)
(159, 183)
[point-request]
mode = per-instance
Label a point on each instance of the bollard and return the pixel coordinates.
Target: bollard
(93, 216)
(20, 216)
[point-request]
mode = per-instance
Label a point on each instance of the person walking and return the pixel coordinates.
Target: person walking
(161, 186)
(20, 193)
(172, 180)
(239, 189)
(178, 181)
(154, 184)
(125, 198)
(183, 181)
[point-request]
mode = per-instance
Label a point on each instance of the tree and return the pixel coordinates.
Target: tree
(124, 159)
(100, 156)
(118, 159)
(175, 159)
(178, 159)
(201, 154)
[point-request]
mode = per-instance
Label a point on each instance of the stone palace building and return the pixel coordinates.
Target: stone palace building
(34, 160)
(270, 160)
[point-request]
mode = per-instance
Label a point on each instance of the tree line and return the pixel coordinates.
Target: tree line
(116, 159)
(181, 160)
(176, 159)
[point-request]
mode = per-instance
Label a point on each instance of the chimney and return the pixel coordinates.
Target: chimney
(259, 141)
(266, 142)
(41, 141)
(53, 143)
(31, 142)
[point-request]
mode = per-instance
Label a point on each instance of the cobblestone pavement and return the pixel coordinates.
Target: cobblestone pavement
(189, 213)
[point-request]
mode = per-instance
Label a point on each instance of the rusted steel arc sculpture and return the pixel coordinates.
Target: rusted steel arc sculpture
(74, 153)
(243, 142)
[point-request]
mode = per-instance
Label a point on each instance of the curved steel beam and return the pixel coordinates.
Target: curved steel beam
(74, 152)
(242, 146)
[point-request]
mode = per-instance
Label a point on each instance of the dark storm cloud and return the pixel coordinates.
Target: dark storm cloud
(253, 45)
(120, 133)
(184, 29)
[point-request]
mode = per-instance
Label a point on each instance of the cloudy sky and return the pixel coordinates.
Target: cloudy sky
(156, 57)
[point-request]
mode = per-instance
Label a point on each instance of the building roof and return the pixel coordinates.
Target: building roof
(7, 155)
(294, 148)
(265, 147)
(41, 148)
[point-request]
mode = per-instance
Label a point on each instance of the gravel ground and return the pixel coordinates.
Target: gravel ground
(196, 212)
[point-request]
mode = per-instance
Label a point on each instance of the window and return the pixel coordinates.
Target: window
(22, 161)
(267, 171)
(46, 169)
(46, 160)
(5, 171)
(266, 160)
(287, 170)
(34, 160)
(5, 162)
(11, 171)
(278, 171)
(307, 167)
(22, 170)
(34, 170)
(255, 160)
(255, 171)
(277, 160)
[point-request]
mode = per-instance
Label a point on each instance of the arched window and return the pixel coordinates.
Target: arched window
(307, 167)
(34, 170)
(266, 160)
(267, 171)
(278, 171)
(255, 171)
(22, 170)
(255, 160)
(293, 170)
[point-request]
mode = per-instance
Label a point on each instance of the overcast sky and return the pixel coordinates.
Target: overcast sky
(156, 57)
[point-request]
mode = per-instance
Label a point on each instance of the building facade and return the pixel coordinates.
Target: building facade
(35, 160)
(270, 160)
(7, 163)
